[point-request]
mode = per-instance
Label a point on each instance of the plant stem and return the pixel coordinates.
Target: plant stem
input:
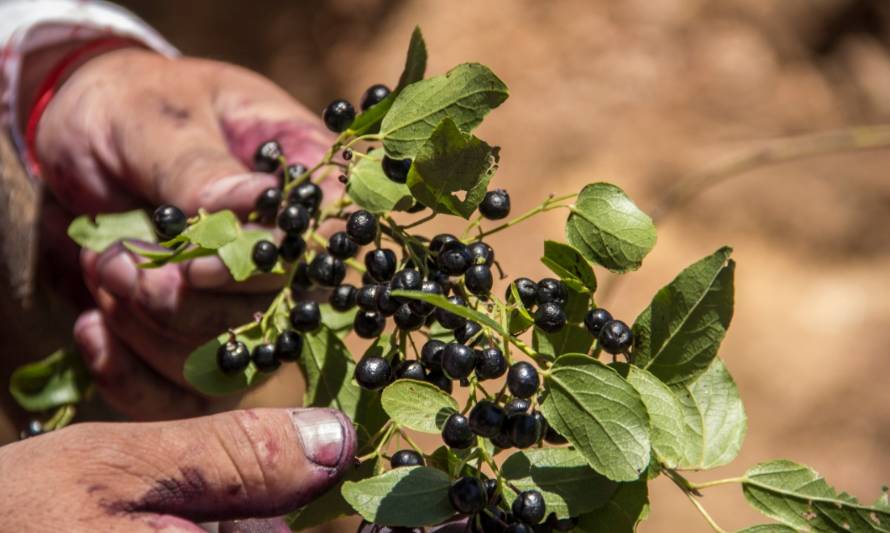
(691, 491)
(716, 483)
(704, 513)
(410, 442)
(548, 205)
(418, 222)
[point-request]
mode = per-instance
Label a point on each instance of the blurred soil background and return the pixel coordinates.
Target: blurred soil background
(643, 93)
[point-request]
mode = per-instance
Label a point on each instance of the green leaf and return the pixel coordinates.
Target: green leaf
(600, 414)
(202, 372)
(799, 497)
(369, 187)
(111, 228)
(441, 301)
(465, 95)
(339, 323)
(214, 230)
(568, 263)
(578, 302)
(714, 414)
(608, 229)
(408, 496)
(331, 504)
(569, 486)
(448, 460)
(678, 335)
(448, 163)
(236, 254)
(622, 514)
(570, 339)
(417, 405)
(60, 379)
(768, 528)
(149, 253)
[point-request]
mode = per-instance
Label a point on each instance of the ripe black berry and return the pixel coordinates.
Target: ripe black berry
(431, 354)
(307, 194)
(343, 297)
(305, 316)
(327, 270)
(410, 370)
(372, 372)
(288, 346)
(479, 280)
(362, 227)
(293, 219)
(595, 319)
(468, 334)
(524, 429)
(427, 287)
(553, 437)
(491, 520)
(457, 433)
(406, 319)
(491, 491)
(616, 337)
(292, 247)
(486, 419)
(368, 324)
(529, 507)
(374, 95)
(502, 440)
(34, 428)
(407, 280)
(490, 363)
(518, 406)
(396, 169)
(338, 115)
(406, 458)
(366, 298)
(495, 205)
(522, 380)
(440, 380)
(454, 258)
(264, 255)
(232, 357)
(169, 221)
(458, 360)
(481, 253)
(439, 241)
(263, 357)
(267, 157)
(267, 203)
(381, 263)
(386, 302)
(341, 246)
(449, 320)
(550, 317)
(301, 277)
(294, 171)
(552, 290)
(467, 495)
(527, 289)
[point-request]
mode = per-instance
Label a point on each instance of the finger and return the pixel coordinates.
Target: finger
(125, 382)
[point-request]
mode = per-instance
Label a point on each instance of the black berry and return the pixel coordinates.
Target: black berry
(293, 219)
(595, 319)
(467, 495)
(552, 290)
(327, 270)
(288, 346)
(366, 298)
(522, 380)
(301, 277)
(427, 287)
(232, 357)
(481, 253)
(524, 429)
(264, 255)
(341, 246)
(449, 320)
(362, 227)
(439, 241)
(338, 115)
(406, 458)
(295, 171)
(372, 372)
(406, 319)
(374, 95)
(343, 297)
(454, 258)
(529, 507)
(479, 280)
(616, 337)
(292, 247)
(410, 370)
(492, 520)
(502, 440)
(169, 221)
(492, 495)
(381, 264)
(458, 360)
(386, 302)
(34, 428)
(431, 355)
(550, 317)
(457, 433)
(369, 324)
(517, 406)
(267, 203)
(490, 363)
(263, 357)
(495, 205)
(487, 419)
(440, 380)
(307, 194)
(267, 157)
(527, 289)
(396, 169)
(305, 316)
(468, 334)
(407, 280)
(553, 437)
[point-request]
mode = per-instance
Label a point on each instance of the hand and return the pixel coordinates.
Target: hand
(133, 129)
(166, 476)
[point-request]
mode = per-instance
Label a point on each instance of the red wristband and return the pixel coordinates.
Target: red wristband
(52, 81)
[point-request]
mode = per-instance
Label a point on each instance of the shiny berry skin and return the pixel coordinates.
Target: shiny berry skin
(439, 379)
(458, 360)
(267, 203)
(293, 219)
(495, 205)
(381, 264)
(396, 169)
(369, 324)
(263, 357)
(449, 320)
(550, 317)
(487, 418)
(456, 432)
(169, 221)
(386, 302)
(491, 491)
(454, 259)
(518, 406)
(366, 297)
(305, 316)
(341, 246)
(552, 290)
(327, 270)
(407, 280)
(34, 428)
(426, 287)
(491, 520)
(288, 346)
(264, 255)
(410, 370)
(439, 241)
(372, 372)
(523, 380)
(338, 115)
(502, 439)
(467, 495)
(301, 277)
(232, 357)
(529, 507)
(267, 157)
(490, 363)
(307, 194)
(406, 319)
(343, 297)
(294, 171)
(374, 95)
(595, 319)
(291, 248)
(527, 289)
(361, 226)
(431, 355)
(616, 337)
(479, 280)
(481, 253)
(551, 436)
(406, 458)
(524, 430)
(468, 334)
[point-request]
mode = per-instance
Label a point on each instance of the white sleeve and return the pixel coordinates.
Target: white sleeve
(30, 25)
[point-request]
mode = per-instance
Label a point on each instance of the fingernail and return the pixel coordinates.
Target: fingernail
(118, 273)
(228, 191)
(327, 436)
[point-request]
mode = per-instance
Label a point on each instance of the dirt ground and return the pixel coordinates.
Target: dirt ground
(643, 93)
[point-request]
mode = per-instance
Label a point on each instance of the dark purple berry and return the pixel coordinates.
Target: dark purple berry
(458, 360)
(368, 324)
(550, 317)
(616, 337)
(479, 280)
(396, 169)
(169, 221)
(410, 370)
(552, 290)
(307, 194)
(431, 355)
(469, 333)
(338, 115)
(490, 363)
(481, 253)
(232, 357)
(374, 95)
(381, 264)
(523, 380)
(293, 219)
(327, 270)
(527, 289)
(524, 430)
(305, 316)
(267, 157)
(343, 297)
(529, 507)
(292, 247)
(295, 171)
(440, 380)
(386, 302)
(595, 319)
(518, 406)
(341, 246)
(288, 346)
(449, 320)
(264, 359)
(467, 495)
(267, 203)
(456, 432)
(372, 372)
(264, 255)
(495, 205)
(362, 227)
(406, 319)
(366, 298)
(439, 241)
(487, 419)
(454, 258)
(406, 458)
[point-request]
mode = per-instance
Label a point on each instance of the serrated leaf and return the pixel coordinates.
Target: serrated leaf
(609, 229)
(569, 486)
(202, 372)
(331, 504)
(408, 496)
(417, 405)
(568, 263)
(110, 228)
(369, 187)
(236, 254)
(451, 162)
(465, 94)
(622, 514)
(799, 497)
(678, 335)
(600, 414)
(214, 230)
(339, 323)
(57, 380)
(441, 301)
(570, 339)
